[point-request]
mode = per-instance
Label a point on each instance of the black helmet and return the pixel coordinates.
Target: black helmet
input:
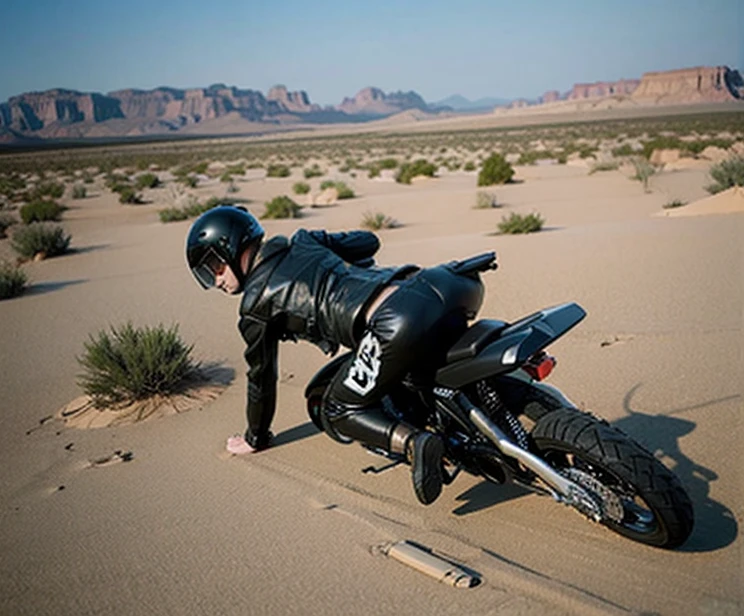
(219, 237)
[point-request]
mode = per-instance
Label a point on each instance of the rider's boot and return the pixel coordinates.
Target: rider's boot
(424, 451)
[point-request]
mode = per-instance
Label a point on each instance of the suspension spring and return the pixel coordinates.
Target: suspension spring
(502, 415)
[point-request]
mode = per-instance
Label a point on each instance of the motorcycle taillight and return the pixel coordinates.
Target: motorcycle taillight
(539, 366)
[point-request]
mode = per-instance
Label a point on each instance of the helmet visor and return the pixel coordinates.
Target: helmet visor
(209, 267)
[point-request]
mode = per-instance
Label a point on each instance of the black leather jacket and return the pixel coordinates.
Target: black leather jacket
(313, 287)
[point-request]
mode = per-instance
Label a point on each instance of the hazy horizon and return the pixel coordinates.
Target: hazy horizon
(476, 48)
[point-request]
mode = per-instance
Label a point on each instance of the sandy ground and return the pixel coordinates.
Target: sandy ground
(183, 528)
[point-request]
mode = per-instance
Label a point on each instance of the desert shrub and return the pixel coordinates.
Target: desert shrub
(623, 150)
(278, 171)
(127, 194)
(313, 172)
(40, 210)
(609, 165)
(727, 173)
(301, 188)
(10, 184)
(374, 221)
(114, 180)
(226, 177)
(516, 223)
(388, 163)
(172, 214)
(55, 190)
(282, 207)
(135, 363)
(6, 220)
(79, 191)
(675, 203)
(147, 180)
(238, 169)
(373, 171)
(12, 280)
(33, 239)
(495, 170)
(484, 200)
(420, 167)
(344, 191)
(469, 166)
(662, 143)
(643, 171)
(188, 180)
(530, 157)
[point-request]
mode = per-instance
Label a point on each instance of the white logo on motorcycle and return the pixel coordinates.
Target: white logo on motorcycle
(363, 372)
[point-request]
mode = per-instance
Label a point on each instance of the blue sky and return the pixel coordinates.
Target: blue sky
(332, 49)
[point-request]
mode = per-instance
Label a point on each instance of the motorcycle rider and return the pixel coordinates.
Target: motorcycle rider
(324, 288)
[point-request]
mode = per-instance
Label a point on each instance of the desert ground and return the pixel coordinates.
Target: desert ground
(173, 524)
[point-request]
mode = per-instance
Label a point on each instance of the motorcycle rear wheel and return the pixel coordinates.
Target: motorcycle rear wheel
(646, 502)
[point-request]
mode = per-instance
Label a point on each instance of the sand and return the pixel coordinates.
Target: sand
(156, 518)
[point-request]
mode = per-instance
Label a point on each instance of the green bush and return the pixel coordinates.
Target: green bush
(129, 195)
(674, 204)
(6, 220)
(516, 223)
(485, 200)
(282, 207)
(373, 171)
(55, 190)
(644, 171)
(388, 163)
(469, 166)
(40, 238)
(135, 363)
(10, 184)
(662, 143)
(147, 180)
(172, 214)
(226, 177)
(623, 150)
(610, 165)
(313, 172)
(238, 169)
(12, 280)
(420, 167)
(727, 173)
(114, 180)
(79, 191)
(301, 188)
(376, 221)
(41, 211)
(495, 170)
(278, 171)
(189, 180)
(344, 191)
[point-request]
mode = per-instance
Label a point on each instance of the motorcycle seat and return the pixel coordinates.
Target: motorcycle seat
(475, 339)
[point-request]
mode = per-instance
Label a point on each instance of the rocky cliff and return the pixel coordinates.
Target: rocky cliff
(602, 88)
(374, 102)
(691, 85)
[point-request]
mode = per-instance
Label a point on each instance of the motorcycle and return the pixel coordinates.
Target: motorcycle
(501, 421)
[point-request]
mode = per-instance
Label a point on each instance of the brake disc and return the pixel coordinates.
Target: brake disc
(611, 504)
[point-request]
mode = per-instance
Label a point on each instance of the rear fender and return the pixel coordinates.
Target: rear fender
(514, 345)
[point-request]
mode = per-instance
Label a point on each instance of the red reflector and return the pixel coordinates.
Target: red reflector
(542, 367)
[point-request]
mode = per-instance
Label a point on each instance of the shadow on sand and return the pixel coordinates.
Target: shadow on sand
(715, 524)
(39, 288)
(297, 433)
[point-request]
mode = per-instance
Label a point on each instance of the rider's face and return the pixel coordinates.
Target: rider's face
(226, 281)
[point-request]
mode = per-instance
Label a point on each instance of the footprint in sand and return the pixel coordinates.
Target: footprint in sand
(618, 339)
(114, 458)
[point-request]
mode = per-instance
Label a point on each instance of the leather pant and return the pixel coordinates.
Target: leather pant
(408, 333)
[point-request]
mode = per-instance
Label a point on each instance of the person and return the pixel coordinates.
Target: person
(326, 288)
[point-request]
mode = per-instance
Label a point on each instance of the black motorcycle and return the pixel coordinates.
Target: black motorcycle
(500, 421)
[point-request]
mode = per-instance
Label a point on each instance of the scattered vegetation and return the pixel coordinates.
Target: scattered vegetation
(6, 220)
(344, 192)
(192, 209)
(727, 173)
(40, 239)
(607, 165)
(41, 211)
(278, 171)
(55, 190)
(282, 207)
(516, 223)
(147, 180)
(485, 200)
(12, 280)
(132, 364)
(495, 170)
(79, 191)
(675, 203)
(643, 171)
(374, 221)
(420, 167)
(127, 194)
(313, 172)
(301, 188)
